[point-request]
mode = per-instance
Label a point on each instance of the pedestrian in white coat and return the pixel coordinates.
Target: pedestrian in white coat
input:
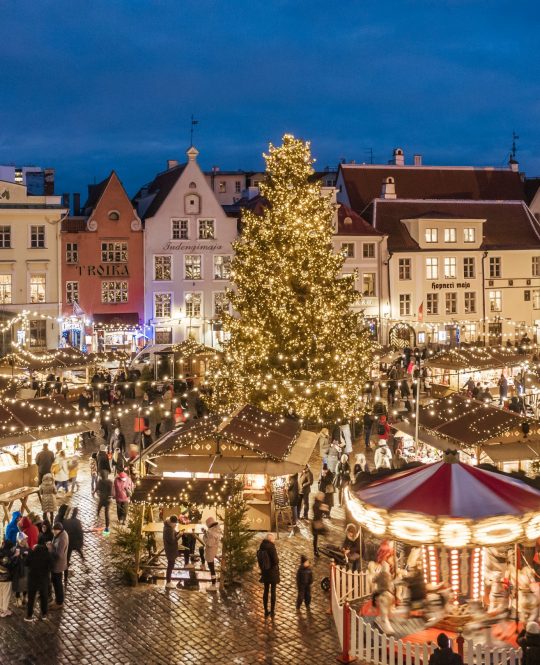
(212, 541)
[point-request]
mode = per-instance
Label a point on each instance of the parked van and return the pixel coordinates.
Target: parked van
(147, 358)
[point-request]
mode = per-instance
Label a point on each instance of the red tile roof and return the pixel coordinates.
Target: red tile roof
(364, 183)
(508, 225)
(357, 226)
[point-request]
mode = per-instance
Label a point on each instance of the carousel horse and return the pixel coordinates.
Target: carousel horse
(383, 596)
(479, 628)
(438, 598)
(499, 595)
(528, 596)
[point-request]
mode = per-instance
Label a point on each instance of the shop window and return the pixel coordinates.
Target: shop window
(222, 267)
(38, 334)
(192, 266)
(5, 289)
(405, 304)
(37, 288)
(432, 268)
(432, 304)
(404, 269)
(162, 268)
(180, 229)
(113, 291)
(72, 292)
(368, 250)
(468, 332)
(72, 252)
(206, 229)
(162, 305)
(37, 237)
(495, 266)
(193, 305)
(450, 302)
(368, 284)
(468, 267)
(114, 251)
(5, 237)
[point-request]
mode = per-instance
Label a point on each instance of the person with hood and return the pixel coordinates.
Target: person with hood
(12, 529)
(47, 493)
(61, 471)
(304, 580)
(104, 492)
(30, 530)
(444, 655)
(529, 641)
(44, 462)
(383, 457)
(5, 578)
(305, 482)
(292, 494)
(170, 545)
(351, 547)
(212, 541)
(343, 476)
(45, 534)
(122, 491)
(58, 549)
(39, 563)
(268, 560)
(102, 461)
(74, 529)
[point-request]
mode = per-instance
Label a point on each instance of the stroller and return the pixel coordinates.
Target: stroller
(336, 555)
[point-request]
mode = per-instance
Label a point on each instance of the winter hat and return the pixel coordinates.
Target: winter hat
(210, 521)
(533, 628)
(303, 558)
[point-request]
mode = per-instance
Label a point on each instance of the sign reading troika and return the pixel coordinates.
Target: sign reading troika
(107, 270)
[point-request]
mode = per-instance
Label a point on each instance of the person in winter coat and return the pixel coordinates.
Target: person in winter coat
(60, 470)
(74, 529)
(320, 509)
(93, 473)
(267, 557)
(58, 549)
(444, 655)
(343, 476)
(12, 529)
(30, 530)
(118, 440)
(326, 486)
(45, 533)
(44, 461)
(404, 389)
(5, 578)
(122, 490)
(383, 457)
(119, 461)
(47, 493)
(529, 641)
(39, 562)
(292, 493)
(170, 545)
(399, 461)
(324, 442)
(351, 547)
(304, 580)
(104, 492)
(383, 429)
(503, 389)
(19, 572)
(212, 541)
(102, 461)
(305, 481)
(73, 470)
(334, 453)
(368, 426)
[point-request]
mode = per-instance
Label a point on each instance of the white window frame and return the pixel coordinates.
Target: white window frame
(6, 289)
(367, 248)
(216, 266)
(38, 236)
(470, 297)
(432, 267)
(405, 304)
(535, 266)
(114, 291)
(432, 304)
(450, 234)
(404, 269)
(495, 297)
(72, 252)
(72, 292)
(495, 267)
(466, 274)
(347, 249)
(237, 186)
(34, 284)
(5, 236)
(369, 295)
(215, 296)
(164, 304)
(535, 297)
(203, 226)
(450, 302)
(114, 251)
(157, 258)
(183, 228)
(191, 297)
(469, 234)
(431, 235)
(192, 256)
(449, 267)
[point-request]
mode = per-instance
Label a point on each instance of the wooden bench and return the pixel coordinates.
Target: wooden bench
(8, 499)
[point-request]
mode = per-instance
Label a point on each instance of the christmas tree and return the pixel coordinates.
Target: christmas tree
(237, 554)
(295, 344)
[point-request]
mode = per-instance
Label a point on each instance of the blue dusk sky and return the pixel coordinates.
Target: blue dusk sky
(88, 86)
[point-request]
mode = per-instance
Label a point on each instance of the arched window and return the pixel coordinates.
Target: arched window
(114, 215)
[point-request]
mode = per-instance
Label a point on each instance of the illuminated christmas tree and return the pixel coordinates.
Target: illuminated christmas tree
(295, 344)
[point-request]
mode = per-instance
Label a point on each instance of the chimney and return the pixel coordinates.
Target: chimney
(513, 164)
(76, 203)
(418, 160)
(388, 188)
(171, 163)
(398, 158)
(65, 200)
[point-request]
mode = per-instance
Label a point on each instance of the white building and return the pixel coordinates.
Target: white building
(188, 252)
(30, 265)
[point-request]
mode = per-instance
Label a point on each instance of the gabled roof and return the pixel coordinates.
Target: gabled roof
(508, 225)
(159, 189)
(364, 183)
(357, 225)
(95, 192)
(531, 187)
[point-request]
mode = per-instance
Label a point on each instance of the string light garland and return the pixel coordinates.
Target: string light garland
(295, 345)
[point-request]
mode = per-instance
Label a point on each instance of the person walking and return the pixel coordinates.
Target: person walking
(44, 461)
(343, 476)
(305, 482)
(122, 491)
(60, 471)
(292, 494)
(304, 580)
(47, 494)
(73, 469)
(212, 541)
(93, 473)
(102, 461)
(170, 545)
(268, 560)
(503, 388)
(368, 426)
(320, 509)
(351, 547)
(58, 549)
(5, 578)
(39, 562)
(104, 491)
(74, 529)
(326, 486)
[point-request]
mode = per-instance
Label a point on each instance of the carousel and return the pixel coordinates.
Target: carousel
(452, 548)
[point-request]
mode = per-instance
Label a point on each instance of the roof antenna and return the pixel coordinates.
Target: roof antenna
(515, 137)
(193, 123)
(370, 153)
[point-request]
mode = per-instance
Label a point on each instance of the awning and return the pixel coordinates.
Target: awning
(199, 491)
(120, 319)
(512, 452)
(47, 434)
(223, 465)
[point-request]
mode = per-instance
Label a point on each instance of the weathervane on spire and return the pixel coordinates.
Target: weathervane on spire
(193, 123)
(515, 137)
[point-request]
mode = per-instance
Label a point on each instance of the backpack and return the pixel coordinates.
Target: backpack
(263, 559)
(381, 429)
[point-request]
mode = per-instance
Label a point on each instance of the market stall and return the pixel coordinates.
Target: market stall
(187, 361)
(251, 444)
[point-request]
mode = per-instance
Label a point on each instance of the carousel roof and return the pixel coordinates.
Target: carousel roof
(451, 490)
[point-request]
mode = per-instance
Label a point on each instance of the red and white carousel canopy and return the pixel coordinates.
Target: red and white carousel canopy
(451, 504)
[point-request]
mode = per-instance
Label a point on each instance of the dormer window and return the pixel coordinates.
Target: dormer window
(114, 215)
(192, 204)
(469, 235)
(431, 235)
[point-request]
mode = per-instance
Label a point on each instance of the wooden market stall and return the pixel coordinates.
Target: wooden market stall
(251, 444)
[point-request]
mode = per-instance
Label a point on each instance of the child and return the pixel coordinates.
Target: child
(304, 580)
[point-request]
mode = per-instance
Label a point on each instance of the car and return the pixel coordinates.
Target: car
(147, 358)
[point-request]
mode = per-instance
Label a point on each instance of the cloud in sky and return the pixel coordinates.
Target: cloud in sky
(87, 87)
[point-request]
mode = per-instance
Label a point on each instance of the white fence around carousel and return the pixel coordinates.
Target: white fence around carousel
(359, 639)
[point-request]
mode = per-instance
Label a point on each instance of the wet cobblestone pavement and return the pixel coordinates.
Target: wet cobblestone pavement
(104, 621)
